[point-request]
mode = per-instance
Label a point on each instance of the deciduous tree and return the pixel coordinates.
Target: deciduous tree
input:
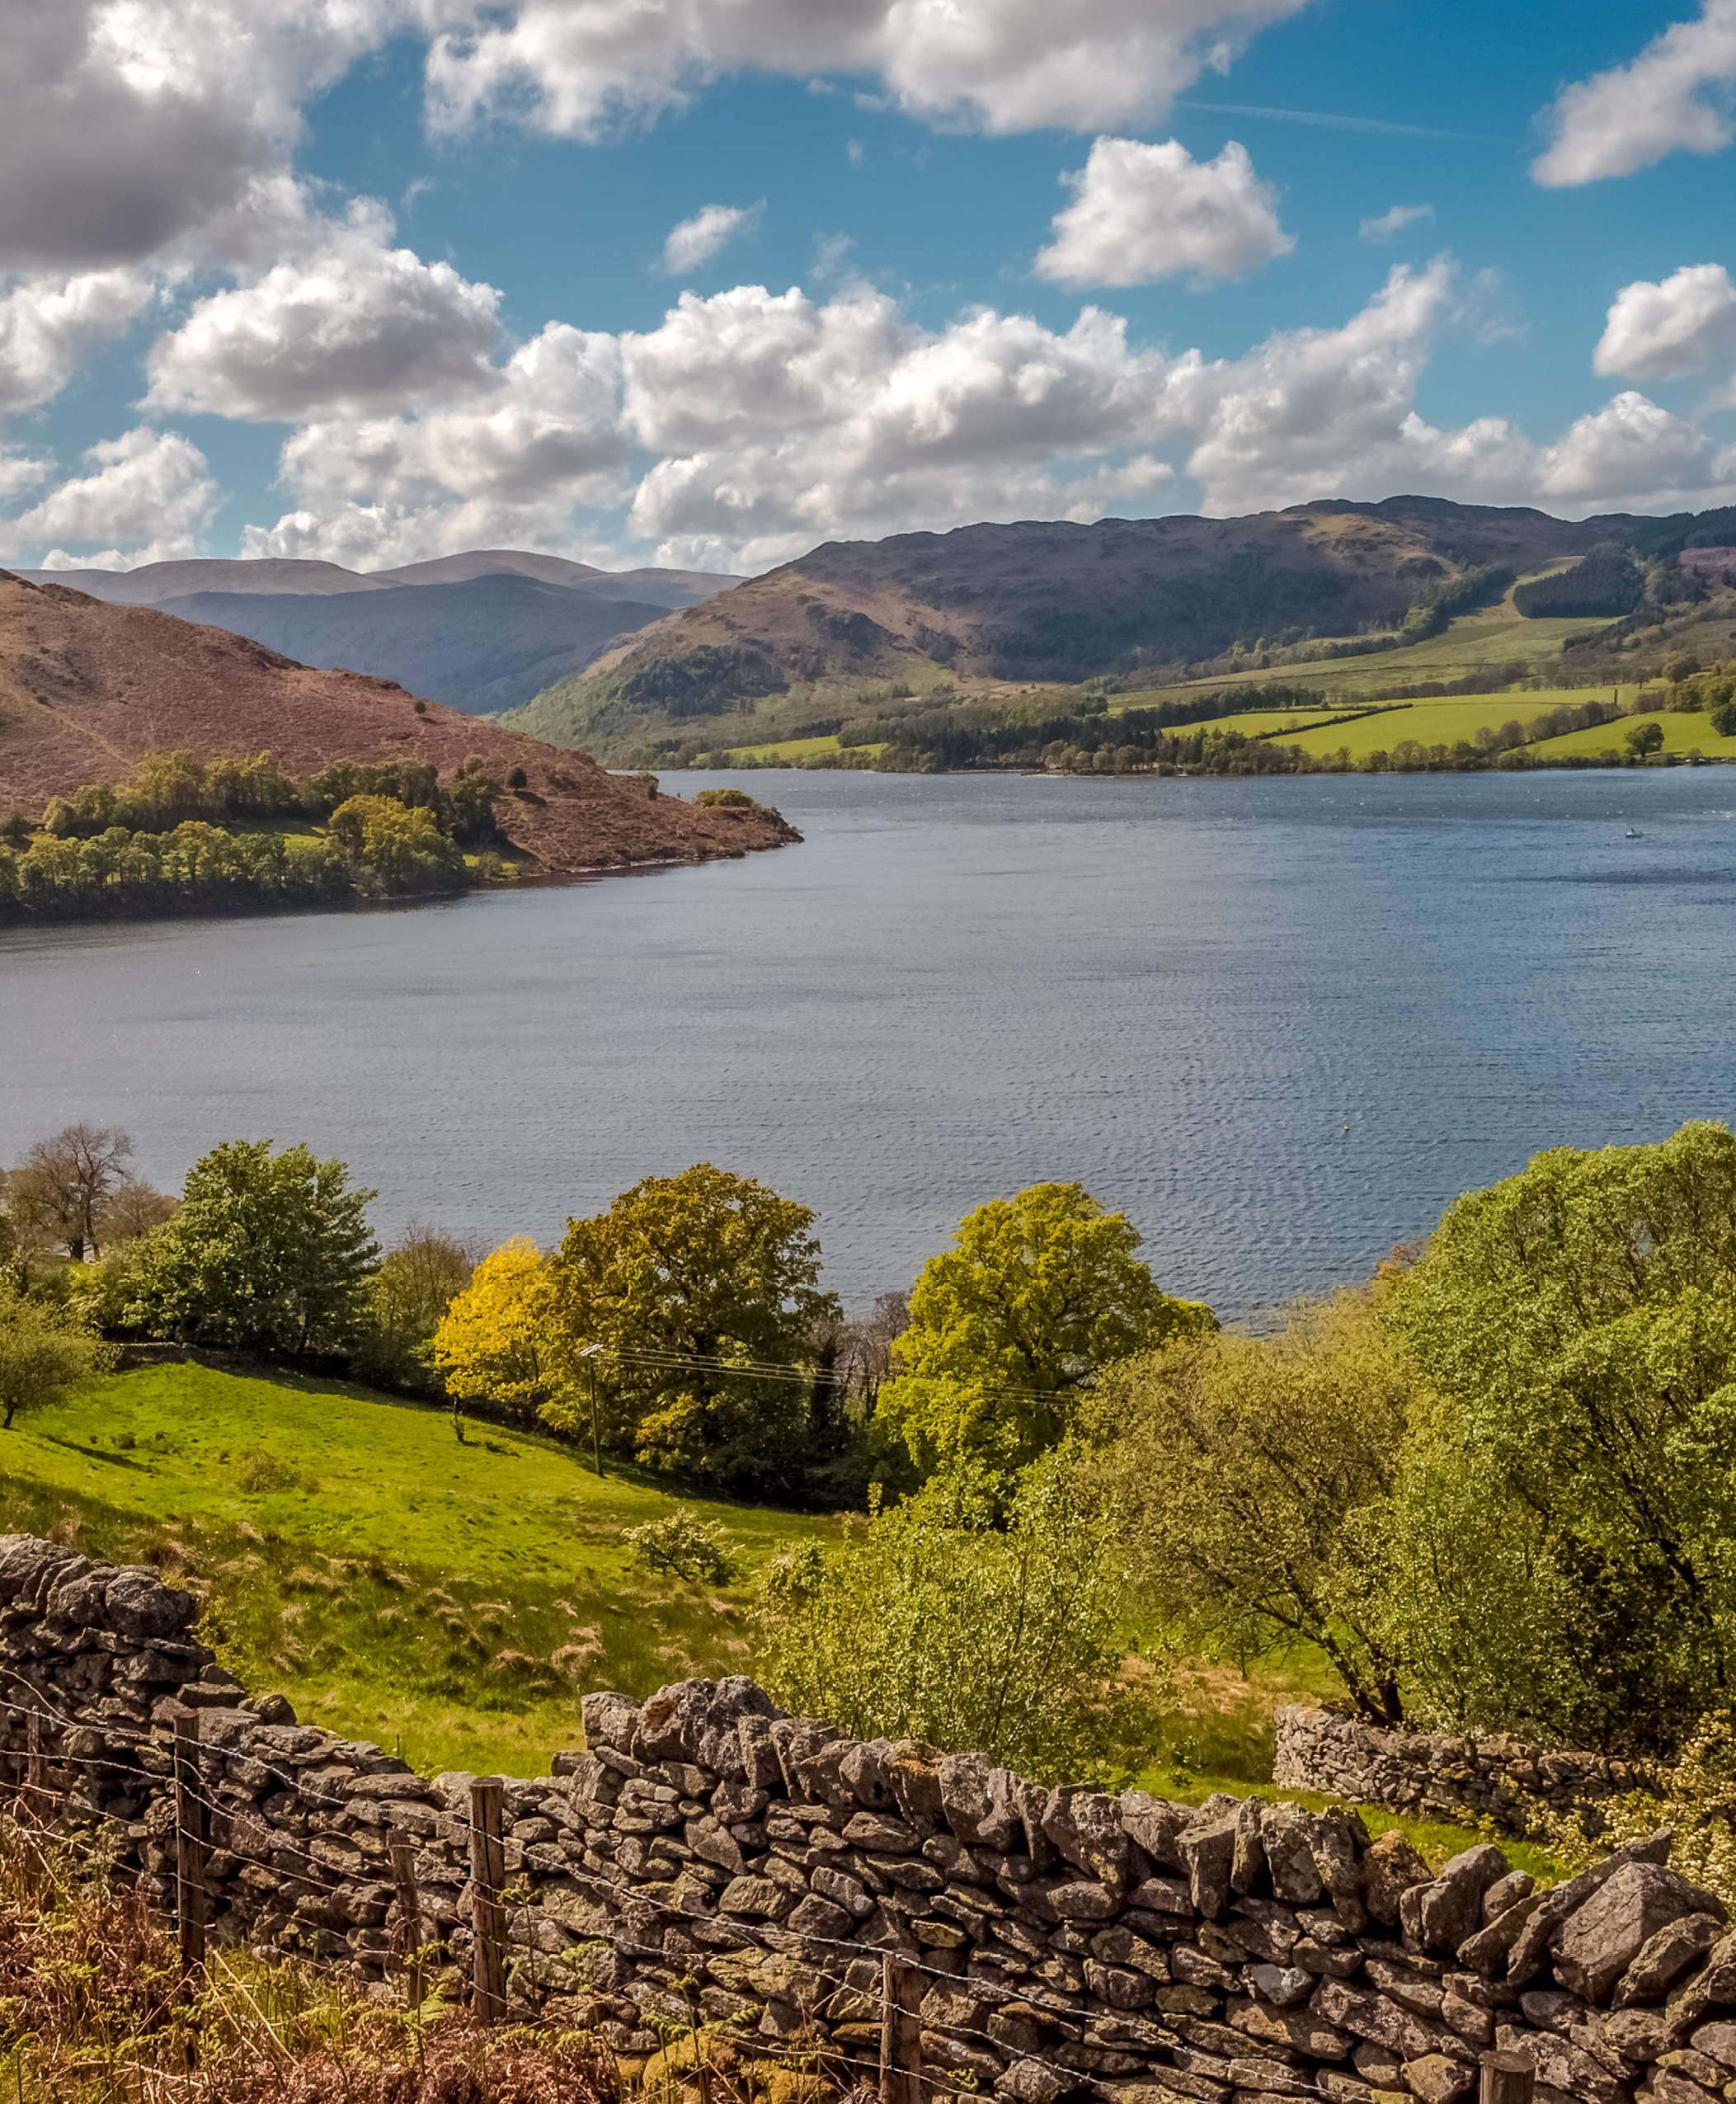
(1010, 1326)
(703, 1290)
(62, 1184)
(493, 1343)
(1254, 1475)
(268, 1251)
(1578, 1325)
(945, 1623)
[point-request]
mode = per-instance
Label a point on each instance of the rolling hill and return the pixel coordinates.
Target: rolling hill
(795, 651)
(87, 689)
(480, 631)
(990, 611)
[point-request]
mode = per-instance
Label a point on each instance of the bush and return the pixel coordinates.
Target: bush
(725, 800)
(259, 1473)
(937, 1624)
(680, 1545)
(1697, 1799)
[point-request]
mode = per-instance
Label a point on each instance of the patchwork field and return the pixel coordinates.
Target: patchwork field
(1444, 722)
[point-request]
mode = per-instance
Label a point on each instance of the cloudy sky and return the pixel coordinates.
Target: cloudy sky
(706, 282)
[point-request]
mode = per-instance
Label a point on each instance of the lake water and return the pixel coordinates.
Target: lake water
(1280, 1023)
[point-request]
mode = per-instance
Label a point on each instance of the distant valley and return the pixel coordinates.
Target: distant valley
(481, 631)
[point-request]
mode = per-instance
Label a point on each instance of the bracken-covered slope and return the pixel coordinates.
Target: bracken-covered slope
(1043, 600)
(87, 689)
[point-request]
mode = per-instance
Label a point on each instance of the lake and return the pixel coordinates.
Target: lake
(1279, 1023)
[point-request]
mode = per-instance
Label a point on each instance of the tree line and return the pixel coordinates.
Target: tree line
(185, 833)
(1492, 1489)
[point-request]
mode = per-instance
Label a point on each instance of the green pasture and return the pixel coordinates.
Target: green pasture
(1497, 636)
(1445, 721)
(451, 1600)
(1682, 733)
(791, 749)
(397, 1585)
(1263, 722)
(795, 749)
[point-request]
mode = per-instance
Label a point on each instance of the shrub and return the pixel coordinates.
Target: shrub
(1697, 1799)
(725, 800)
(936, 1623)
(259, 1473)
(680, 1545)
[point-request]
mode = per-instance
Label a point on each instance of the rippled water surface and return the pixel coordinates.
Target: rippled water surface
(1280, 1023)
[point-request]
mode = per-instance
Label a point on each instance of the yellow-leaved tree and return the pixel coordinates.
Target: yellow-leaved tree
(1014, 1323)
(492, 1342)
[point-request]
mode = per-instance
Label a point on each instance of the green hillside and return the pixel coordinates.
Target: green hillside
(394, 1583)
(1683, 732)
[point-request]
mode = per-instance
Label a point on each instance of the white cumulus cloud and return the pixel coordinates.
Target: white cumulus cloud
(1389, 224)
(697, 240)
(149, 492)
(507, 472)
(999, 65)
(49, 322)
(781, 422)
(1675, 94)
(354, 325)
(1660, 331)
(1632, 454)
(1141, 212)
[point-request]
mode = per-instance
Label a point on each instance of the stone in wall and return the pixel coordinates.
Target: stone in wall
(1064, 1941)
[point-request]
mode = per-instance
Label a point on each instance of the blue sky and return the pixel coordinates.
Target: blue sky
(372, 279)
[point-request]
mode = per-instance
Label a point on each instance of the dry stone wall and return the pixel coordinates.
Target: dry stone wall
(704, 1845)
(1428, 1776)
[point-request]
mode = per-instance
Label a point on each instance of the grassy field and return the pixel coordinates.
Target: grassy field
(451, 1601)
(393, 1584)
(1681, 733)
(796, 749)
(1440, 723)
(1499, 636)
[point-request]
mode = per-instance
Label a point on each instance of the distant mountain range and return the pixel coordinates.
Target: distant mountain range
(481, 631)
(788, 654)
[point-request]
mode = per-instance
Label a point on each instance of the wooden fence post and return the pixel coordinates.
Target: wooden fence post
(488, 1875)
(36, 1770)
(408, 1943)
(901, 2032)
(191, 1830)
(1508, 2078)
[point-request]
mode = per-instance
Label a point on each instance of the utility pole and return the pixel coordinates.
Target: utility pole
(589, 1354)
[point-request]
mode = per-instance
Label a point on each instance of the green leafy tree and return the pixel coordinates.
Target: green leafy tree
(1253, 1475)
(400, 849)
(45, 1353)
(1574, 1482)
(701, 1291)
(1010, 1327)
(940, 1622)
(269, 1251)
(1646, 738)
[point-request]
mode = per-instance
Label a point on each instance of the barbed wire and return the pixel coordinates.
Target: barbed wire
(773, 1938)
